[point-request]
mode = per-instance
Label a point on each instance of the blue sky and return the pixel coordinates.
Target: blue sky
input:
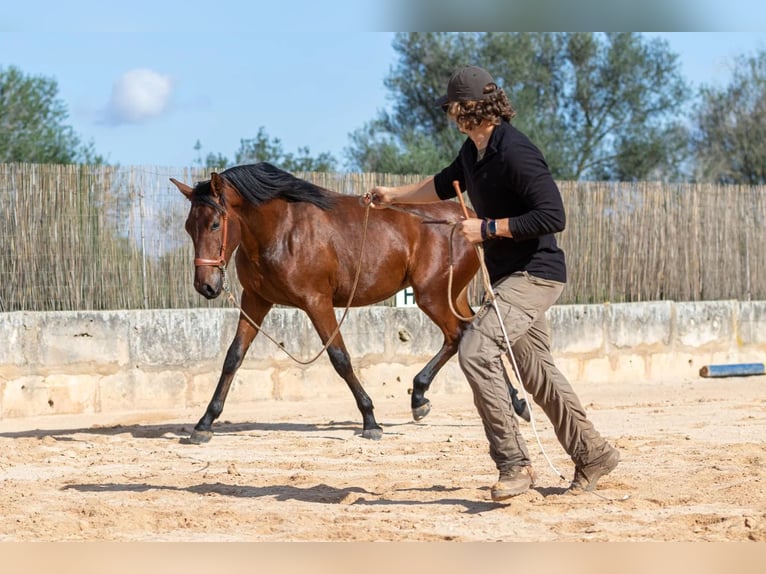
(145, 89)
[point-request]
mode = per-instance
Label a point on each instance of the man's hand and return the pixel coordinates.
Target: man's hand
(471, 229)
(378, 197)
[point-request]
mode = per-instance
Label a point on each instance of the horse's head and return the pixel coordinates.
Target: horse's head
(214, 231)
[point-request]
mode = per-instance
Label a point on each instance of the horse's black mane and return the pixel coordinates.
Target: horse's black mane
(260, 182)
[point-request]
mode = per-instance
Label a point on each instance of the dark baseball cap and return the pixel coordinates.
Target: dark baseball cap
(466, 85)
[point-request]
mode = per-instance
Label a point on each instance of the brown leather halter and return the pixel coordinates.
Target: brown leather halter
(221, 261)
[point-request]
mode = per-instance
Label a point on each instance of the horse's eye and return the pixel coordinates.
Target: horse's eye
(215, 226)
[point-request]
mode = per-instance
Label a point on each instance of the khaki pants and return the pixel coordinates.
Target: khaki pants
(523, 300)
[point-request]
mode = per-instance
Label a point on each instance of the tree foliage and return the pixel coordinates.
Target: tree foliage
(32, 123)
(416, 136)
(600, 106)
(730, 142)
(265, 148)
(212, 161)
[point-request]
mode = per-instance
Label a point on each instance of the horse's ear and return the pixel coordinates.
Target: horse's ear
(183, 188)
(216, 184)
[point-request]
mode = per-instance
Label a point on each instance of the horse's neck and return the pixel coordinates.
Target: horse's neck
(260, 224)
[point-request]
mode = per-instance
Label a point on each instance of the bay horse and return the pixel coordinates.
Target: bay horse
(299, 245)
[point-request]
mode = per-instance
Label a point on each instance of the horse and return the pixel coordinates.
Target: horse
(299, 245)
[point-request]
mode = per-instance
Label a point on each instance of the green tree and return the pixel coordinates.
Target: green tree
(600, 106)
(32, 123)
(212, 161)
(416, 136)
(730, 139)
(627, 97)
(264, 148)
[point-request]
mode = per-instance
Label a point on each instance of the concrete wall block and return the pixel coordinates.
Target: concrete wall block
(685, 365)
(321, 380)
(70, 337)
(647, 325)
(25, 396)
(722, 357)
(577, 329)
(752, 324)
(200, 388)
(249, 385)
(41, 354)
(450, 380)
(139, 390)
(388, 378)
(162, 337)
(252, 385)
(411, 333)
(18, 338)
(596, 370)
(72, 394)
(677, 364)
(291, 328)
(388, 381)
(364, 331)
(117, 392)
(394, 380)
(628, 368)
(159, 391)
(52, 395)
(297, 383)
(570, 367)
(706, 323)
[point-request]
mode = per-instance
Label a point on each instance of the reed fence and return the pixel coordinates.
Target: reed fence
(105, 237)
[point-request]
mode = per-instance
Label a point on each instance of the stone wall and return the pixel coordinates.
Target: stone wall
(121, 361)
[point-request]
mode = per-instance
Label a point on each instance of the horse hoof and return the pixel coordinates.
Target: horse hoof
(200, 436)
(522, 409)
(372, 434)
(419, 413)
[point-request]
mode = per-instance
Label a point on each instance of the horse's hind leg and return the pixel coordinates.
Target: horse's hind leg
(437, 309)
(325, 323)
(421, 406)
(256, 308)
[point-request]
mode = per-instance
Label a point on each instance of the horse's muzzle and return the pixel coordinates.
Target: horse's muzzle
(208, 292)
(210, 286)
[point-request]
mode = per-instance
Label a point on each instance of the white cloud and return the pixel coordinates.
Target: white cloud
(139, 95)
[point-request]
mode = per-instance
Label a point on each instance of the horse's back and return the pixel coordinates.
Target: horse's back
(315, 252)
(409, 245)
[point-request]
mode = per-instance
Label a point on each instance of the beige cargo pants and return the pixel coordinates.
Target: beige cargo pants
(523, 300)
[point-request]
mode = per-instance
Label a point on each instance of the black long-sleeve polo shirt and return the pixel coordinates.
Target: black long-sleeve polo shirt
(512, 180)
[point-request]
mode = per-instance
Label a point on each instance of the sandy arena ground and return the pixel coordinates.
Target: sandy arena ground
(693, 463)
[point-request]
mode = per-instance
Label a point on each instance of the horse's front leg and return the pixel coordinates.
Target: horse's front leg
(256, 308)
(325, 323)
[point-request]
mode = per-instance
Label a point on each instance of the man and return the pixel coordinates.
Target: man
(519, 210)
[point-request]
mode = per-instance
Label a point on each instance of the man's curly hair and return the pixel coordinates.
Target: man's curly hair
(495, 108)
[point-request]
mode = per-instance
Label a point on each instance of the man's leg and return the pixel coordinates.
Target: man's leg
(479, 356)
(592, 455)
(554, 394)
